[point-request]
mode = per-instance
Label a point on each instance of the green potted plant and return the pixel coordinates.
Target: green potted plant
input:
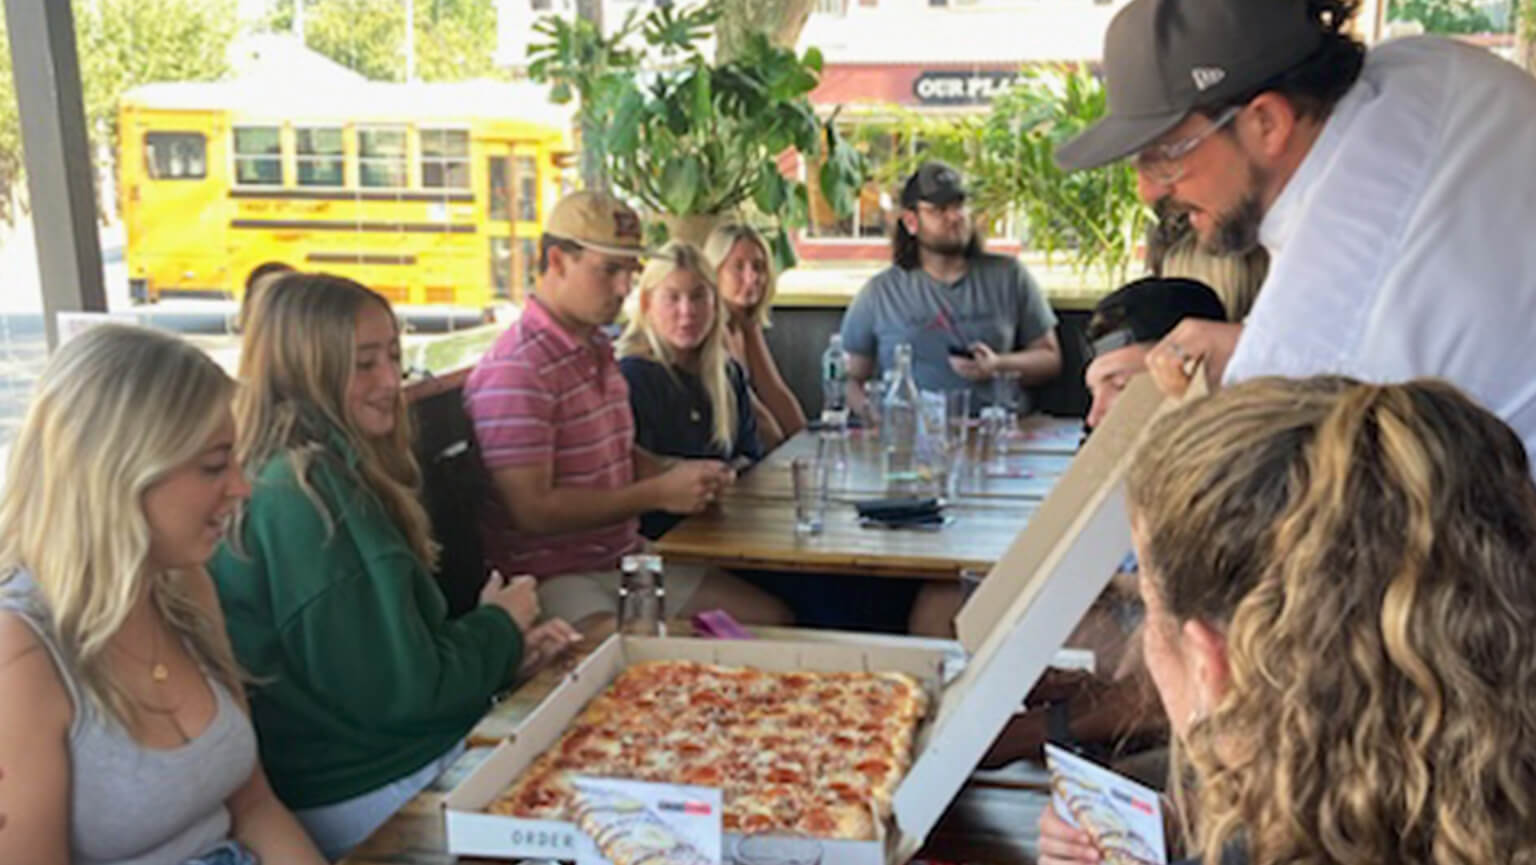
(694, 140)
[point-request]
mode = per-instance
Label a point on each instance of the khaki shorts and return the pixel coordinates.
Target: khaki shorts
(576, 596)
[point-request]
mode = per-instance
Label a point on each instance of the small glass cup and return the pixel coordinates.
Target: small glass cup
(777, 850)
(957, 418)
(642, 597)
(993, 445)
(809, 477)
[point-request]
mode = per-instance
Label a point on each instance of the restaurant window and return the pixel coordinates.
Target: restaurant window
(381, 157)
(871, 217)
(258, 156)
(499, 188)
(527, 189)
(445, 159)
(318, 156)
(176, 155)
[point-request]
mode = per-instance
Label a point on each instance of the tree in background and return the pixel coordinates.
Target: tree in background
(455, 39)
(779, 20)
(10, 133)
(1442, 16)
(121, 44)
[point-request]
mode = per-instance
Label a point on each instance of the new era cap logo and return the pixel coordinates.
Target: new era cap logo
(1207, 77)
(626, 224)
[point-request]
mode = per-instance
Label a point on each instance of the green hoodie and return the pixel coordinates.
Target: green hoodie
(361, 678)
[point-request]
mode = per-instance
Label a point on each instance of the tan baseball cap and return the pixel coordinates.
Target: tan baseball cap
(1165, 58)
(599, 222)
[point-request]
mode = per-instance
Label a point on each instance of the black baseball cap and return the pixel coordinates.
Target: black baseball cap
(1165, 58)
(935, 183)
(1147, 309)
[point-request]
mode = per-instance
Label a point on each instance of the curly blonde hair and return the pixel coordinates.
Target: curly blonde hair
(1369, 552)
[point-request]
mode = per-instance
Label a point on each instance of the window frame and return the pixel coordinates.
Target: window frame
(150, 170)
(237, 158)
(364, 161)
(301, 159)
(444, 161)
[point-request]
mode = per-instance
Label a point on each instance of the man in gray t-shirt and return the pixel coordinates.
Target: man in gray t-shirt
(973, 319)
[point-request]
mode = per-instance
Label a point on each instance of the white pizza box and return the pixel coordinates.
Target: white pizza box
(471, 832)
(1010, 630)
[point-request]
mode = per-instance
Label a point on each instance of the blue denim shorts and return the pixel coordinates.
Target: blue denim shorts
(228, 853)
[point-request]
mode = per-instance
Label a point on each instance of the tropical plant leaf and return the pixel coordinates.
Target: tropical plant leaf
(771, 190)
(680, 183)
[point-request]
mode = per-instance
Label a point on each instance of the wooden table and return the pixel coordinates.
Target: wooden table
(753, 525)
(992, 820)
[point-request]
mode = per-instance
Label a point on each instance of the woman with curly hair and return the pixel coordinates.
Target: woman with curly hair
(1340, 623)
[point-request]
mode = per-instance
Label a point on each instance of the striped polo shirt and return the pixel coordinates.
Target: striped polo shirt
(543, 396)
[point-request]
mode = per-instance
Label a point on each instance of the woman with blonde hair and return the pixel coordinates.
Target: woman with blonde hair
(1340, 623)
(689, 396)
(367, 688)
(740, 255)
(123, 731)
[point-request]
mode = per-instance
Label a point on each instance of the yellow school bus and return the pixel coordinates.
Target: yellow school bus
(431, 194)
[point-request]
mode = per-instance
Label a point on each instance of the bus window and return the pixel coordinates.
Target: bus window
(317, 152)
(381, 157)
(530, 263)
(445, 159)
(258, 156)
(527, 189)
(497, 171)
(175, 155)
(501, 268)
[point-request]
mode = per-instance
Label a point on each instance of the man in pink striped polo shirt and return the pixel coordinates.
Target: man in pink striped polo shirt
(552, 417)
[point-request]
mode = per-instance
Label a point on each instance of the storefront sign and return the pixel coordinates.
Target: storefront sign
(961, 88)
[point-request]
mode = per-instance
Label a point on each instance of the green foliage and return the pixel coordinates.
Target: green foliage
(1441, 16)
(121, 44)
(685, 136)
(455, 39)
(10, 132)
(1008, 159)
(125, 43)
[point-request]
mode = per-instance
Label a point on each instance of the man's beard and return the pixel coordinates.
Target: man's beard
(1236, 230)
(946, 247)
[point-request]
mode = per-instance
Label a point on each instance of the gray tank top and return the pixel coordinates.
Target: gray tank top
(131, 804)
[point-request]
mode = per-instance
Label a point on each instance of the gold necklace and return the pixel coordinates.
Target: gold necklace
(159, 673)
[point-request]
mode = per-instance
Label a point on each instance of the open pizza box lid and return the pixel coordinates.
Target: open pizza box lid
(1028, 605)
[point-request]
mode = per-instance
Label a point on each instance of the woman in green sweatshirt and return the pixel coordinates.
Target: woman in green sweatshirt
(364, 688)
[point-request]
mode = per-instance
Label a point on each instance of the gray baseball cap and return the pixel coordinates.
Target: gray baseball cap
(1165, 58)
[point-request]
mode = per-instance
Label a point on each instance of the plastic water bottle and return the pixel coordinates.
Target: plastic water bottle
(834, 376)
(832, 446)
(900, 421)
(642, 596)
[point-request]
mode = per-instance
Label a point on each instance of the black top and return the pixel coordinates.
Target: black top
(673, 418)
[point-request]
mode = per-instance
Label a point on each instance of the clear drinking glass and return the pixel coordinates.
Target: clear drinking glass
(957, 418)
(642, 596)
(993, 443)
(809, 477)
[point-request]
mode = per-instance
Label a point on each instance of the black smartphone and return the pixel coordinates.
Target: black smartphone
(959, 351)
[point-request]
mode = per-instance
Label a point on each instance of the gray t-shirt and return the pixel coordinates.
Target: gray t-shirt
(130, 804)
(997, 302)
